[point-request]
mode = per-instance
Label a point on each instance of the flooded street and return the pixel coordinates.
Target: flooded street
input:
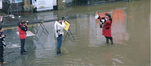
(130, 31)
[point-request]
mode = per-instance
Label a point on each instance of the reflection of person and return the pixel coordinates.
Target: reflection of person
(22, 28)
(107, 28)
(1, 46)
(59, 26)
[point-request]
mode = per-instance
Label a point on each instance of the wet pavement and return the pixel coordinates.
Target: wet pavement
(130, 31)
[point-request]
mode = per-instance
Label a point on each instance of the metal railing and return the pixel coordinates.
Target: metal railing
(96, 2)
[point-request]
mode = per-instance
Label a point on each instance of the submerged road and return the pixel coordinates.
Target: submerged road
(130, 31)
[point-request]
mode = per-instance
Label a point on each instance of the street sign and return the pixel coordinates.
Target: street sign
(67, 25)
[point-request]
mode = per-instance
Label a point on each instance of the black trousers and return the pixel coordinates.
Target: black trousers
(1, 53)
(22, 44)
(107, 39)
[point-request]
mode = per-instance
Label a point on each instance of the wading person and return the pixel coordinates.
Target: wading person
(59, 27)
(1, 46)
(22, 28)
(107, 28)
(106, 22)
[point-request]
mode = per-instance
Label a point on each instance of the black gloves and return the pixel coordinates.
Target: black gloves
(108, 28)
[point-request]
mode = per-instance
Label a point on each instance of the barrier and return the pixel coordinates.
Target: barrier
(95, 2)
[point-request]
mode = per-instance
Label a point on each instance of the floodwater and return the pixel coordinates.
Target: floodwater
(130, 31)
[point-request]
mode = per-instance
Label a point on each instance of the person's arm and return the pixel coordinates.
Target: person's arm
(61, 25)
(21, 27)
(97, 16)
(105, 23)
(26, 28)
(2, 35)
(108, 22)
(55, 28)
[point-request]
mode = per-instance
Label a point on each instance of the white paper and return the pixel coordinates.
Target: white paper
(29, 33)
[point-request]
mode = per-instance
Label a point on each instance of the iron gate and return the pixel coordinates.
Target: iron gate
(95, 2)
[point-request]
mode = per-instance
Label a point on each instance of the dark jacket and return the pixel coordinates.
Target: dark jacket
(1, 33)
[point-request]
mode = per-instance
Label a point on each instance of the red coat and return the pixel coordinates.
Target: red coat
(107, 32)
(22, 31)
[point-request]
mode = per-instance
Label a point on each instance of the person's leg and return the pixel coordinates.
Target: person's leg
(59, 43)
(107, 40)
(111, 39)
(2, 57)
(22, 45)
(1, 54)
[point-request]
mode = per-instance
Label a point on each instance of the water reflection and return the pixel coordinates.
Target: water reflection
(129, 30)
(119, 26)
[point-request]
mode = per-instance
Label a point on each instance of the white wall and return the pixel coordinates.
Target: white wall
(68, 1)
(0, 4)
(44, 5)
(54, 2)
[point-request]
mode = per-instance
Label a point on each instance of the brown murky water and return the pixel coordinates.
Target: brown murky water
(130, 31)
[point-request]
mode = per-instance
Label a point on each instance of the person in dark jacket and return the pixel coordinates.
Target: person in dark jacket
(1, 46)
(22, 28)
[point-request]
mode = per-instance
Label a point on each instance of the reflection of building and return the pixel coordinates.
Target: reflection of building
(92, 32)
(83, 24)
(138, 26)
(83, 28)
(119, 26)
(89, 28)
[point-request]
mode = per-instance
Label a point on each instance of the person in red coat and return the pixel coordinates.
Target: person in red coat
(107, 28)
(22, 28)
(106, 22)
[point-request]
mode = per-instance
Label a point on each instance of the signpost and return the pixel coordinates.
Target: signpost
(67, 28)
